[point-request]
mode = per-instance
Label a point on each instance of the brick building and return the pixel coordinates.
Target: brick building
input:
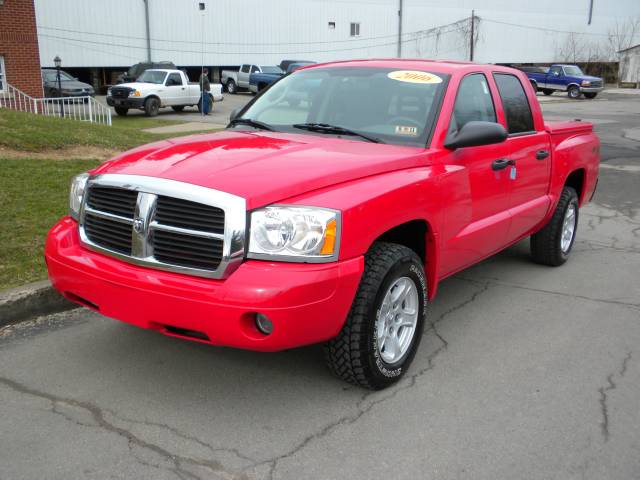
(19, 52)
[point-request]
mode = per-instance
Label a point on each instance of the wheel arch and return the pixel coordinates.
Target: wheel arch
(575, 179)
(419, 236)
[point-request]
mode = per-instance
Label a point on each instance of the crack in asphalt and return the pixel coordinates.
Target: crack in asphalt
(363, 407)
(604, 396)
(446, 313)
(97, 414)
(495, 281)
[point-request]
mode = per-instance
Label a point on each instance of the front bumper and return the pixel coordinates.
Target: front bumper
(129, 102)
(307, 303)
(591, 89)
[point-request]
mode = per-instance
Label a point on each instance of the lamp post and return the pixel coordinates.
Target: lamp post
(58, 62)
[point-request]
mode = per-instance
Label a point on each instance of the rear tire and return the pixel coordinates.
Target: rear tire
(573, 92)
(232, 88)
(122, 111)
(590, 95)
(151, 107)
(552, 245)
(547, 91)
(178, 108)
(391, 297)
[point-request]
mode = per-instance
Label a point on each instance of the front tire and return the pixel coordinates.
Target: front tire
(151, 107)
(552, 245)
(573, 92)
(384, 327)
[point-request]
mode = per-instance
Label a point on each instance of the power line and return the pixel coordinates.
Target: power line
(544, 29)
(420, 35)
(320, 42)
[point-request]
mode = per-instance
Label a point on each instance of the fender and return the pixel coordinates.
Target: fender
(374, 205)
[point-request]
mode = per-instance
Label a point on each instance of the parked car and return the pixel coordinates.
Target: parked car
(285, 64)
(566, 78)
(69, 86)
(156, 89)
(328, 211)
(261, 80)
(240, 80)
(138, 69)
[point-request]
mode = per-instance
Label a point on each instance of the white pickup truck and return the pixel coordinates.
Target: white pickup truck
(158, 88)
(233, 81)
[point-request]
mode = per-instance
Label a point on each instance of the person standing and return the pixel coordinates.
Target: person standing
(205, 88)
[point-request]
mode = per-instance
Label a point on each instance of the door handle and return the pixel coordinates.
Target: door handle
(182, 88)
(502, 163)
(542, 154)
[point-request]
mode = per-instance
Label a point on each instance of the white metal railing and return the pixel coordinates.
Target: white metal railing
(84, 109)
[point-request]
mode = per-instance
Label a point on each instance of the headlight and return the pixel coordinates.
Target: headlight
(135, 93)
(586, 83)
(295, 234)
(78, 185)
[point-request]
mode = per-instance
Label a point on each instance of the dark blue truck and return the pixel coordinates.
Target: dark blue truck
(564, 78)
(261, 80)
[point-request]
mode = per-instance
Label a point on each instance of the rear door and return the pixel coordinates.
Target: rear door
(475, 196)
(531, 151)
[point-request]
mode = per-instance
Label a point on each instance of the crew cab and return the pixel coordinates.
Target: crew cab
(156, 89)
(565, 78)
(328, 211)
(241, 80)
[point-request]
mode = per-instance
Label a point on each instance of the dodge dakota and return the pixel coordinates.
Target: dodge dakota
(328, 211)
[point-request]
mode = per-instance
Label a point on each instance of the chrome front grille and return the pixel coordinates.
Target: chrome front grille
(164, 224)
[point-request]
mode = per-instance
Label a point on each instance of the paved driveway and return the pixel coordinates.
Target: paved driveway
(529, 372)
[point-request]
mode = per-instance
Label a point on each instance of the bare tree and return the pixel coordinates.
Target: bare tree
(622, 35)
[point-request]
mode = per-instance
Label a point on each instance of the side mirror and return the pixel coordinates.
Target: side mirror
(234, 114)
(475, 134)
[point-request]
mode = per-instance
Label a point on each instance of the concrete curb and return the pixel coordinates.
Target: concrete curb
(29, 301)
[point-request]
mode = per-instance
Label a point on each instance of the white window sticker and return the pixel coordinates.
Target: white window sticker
(414, 76)
(403, 130)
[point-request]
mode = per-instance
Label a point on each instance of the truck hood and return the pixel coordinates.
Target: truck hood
(263, 167)
(140, 86)
(589, 78)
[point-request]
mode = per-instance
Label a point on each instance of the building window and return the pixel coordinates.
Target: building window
(332, 25)
(2, 75)
(355, 29)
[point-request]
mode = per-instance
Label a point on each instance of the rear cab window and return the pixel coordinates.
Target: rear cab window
(515, 103)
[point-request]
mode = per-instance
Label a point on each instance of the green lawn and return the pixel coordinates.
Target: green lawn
(34, 133)
(34, 191)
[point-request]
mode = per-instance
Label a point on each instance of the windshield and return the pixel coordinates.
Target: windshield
(152, 76)
(572, 70)
(271, 70)
(394, 106)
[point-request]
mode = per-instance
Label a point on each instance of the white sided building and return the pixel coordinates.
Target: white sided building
(118, 33)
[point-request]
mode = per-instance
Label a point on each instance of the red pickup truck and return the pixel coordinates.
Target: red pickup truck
(327, 211)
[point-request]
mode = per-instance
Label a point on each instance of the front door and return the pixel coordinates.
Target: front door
(475, 196)
(530, 150)
(555, 78)
(175, 91)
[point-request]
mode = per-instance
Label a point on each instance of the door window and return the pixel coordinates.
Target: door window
(254, 69)
(515, 103)
(473, 102)
(555, 71)
(174, 79)
(245, 68)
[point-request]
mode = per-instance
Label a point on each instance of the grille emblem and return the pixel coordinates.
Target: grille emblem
(138, 225)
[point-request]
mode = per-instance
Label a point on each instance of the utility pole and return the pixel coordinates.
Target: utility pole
(473, 17)
(146, 17)
(590, 12)
(399, 28)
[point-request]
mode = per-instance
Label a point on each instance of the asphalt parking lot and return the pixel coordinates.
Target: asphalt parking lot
(529, 372)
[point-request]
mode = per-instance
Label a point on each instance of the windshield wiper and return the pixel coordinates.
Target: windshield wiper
(251, 123)
(326, 128)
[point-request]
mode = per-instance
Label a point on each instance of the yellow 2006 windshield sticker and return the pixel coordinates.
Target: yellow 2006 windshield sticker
(414, 76)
